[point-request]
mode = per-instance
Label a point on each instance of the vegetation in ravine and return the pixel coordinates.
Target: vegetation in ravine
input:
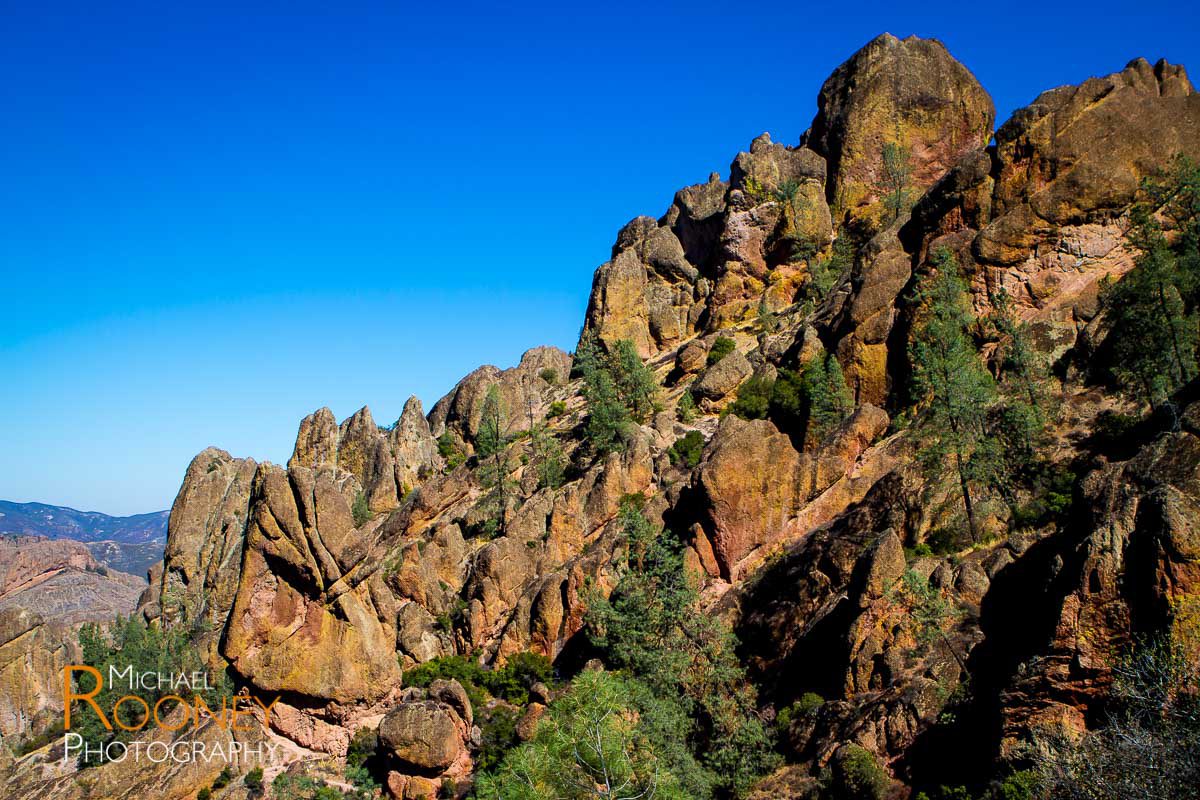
(673, 716)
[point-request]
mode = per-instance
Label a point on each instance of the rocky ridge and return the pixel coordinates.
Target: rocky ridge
(798, 543)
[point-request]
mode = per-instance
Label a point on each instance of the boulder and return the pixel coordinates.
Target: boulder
(423, 736)
(723, 378)
(751, 483)
(454, 695)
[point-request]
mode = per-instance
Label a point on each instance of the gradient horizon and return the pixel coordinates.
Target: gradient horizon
(218, 220)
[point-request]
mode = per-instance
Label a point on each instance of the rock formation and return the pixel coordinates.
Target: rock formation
(801, 545)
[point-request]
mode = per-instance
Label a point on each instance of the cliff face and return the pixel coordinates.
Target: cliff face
(325, 580)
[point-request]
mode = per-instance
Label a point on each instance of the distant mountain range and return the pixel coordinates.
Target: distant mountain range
(129, 544)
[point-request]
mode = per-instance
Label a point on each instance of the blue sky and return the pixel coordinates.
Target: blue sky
(216, 219)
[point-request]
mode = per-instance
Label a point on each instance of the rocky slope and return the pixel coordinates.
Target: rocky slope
(47, 588)
(60, 580)
(324, 580)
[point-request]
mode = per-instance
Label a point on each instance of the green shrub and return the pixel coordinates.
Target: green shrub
(303, 787)
(557, 409)
(463, 669)
(722, 347)
(918, 550)
(360, 510)
(360, 778)
(499, 735)
(947, 793)
(52, 733)
(825, 273)
(927, 610)
(254, 780)
(511, 682)
(687, 449)
(447, 619)
(204, 794)
(449, 450)
(946, 540)
(768, 320)
(685, 409)
(1053, 493)
(549, 375)
(856, 775)
(592, 736)
(809, 703)
(805, 708)
(1022, 785)
(754, 398)
(223, 779)
(519, 673)
(362, 747)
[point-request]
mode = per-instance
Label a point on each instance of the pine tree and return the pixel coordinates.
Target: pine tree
(608, 423)
(548, 458)
(894, 179)
(1154, 347)
(650, 627)
(951, 387)
(491, 445)
(1149, 313)
(619, 388)
(635, 382)
(828, 398)
(1019, 421)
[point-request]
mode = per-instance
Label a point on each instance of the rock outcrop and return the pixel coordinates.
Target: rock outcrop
(303, 620)
(205, 535)
(911, 93)
(32, 657)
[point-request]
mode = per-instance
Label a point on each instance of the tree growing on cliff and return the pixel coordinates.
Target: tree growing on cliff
(894, 179)
(636, 383)
(1150, 314)
(1023, 375)
(807, 403)
(652, 628)
(829, 399)
(952, 389)
(491, 445)
(548, 460)
(619, 388)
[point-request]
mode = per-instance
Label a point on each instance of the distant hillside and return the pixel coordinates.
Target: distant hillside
(59, 522)
(62, 581)
(129, 544)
